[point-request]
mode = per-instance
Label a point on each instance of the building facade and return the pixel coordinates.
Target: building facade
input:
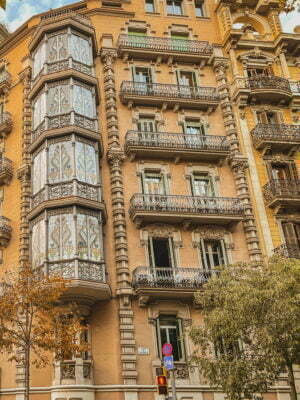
(144, 144)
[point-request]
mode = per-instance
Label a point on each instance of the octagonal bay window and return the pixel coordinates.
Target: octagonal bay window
(62, 50)
(66, 169)
(62, 104)
(69, 242)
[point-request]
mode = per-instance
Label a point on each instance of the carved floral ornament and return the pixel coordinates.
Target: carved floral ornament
(160, 230)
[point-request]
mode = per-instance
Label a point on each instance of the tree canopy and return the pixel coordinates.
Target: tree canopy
(251, 326)
(34, 324)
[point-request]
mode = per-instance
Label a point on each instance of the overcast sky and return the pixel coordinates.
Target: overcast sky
(18, 11)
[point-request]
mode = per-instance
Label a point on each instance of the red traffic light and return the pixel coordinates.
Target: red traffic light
(162, 384)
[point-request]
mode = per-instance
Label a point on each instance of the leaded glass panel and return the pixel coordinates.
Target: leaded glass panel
(38, 240)
(88, 237)
(85, 158)
(83, 101)
(80, 50)
(57, 48)
(39, 171)
(61, 242)
(39, 110)
(60, 164)
(39, 59)
(59, 100)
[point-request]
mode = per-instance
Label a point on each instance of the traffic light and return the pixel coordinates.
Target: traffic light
(161, 381)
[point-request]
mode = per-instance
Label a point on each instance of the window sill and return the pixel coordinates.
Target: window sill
(152, 13)
(178, 15)
(205, 18)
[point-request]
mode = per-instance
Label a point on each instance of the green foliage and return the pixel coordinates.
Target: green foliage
(258, 306)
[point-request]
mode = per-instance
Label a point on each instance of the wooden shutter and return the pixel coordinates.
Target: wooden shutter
(289, 233)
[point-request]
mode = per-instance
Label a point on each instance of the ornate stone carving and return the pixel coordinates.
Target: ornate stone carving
(182, 372)
(210, 232)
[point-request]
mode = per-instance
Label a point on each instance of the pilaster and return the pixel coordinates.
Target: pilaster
(238, 162)
(115, 157)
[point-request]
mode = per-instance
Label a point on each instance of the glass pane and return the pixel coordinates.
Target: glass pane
(174, 340)
(149, 6)
(80, 50)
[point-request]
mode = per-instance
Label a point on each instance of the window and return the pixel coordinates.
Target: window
(137, 38)
(281, 171)
(169, 330)
(174, 7)
(153, 183)
(291, 233)
(199, 8)
(231, 350)
(142, 75)
(213, 253)
(202, 185)
(186, 78)
(254, 72)
(147, 124)
(161, 252)
(269, 117)
(193, 127)
(149, 6)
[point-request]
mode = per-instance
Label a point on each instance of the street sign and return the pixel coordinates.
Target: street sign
(169, 362)
(167, 349)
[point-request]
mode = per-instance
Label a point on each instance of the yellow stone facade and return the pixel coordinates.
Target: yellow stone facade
(143, 144)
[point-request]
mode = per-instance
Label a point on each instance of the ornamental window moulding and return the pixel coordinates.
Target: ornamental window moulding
(61, 50)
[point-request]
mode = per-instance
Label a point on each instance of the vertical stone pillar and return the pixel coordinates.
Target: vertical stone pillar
(284, 66)
(115, 157)
(237, 161)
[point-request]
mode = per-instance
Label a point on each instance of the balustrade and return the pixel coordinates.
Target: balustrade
(272, 136)
(5, 231)
(6, 124)
(288, 250)
(175, 278)
(6, 170)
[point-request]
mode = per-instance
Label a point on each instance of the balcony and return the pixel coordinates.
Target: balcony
(169, 95)
(176, 146)
(282, 194)
(5, 231)
(6, 124)
(146, 208)
(168, 282)
(5, 82)
(165, 49)
(88, 282)
(67, 193)
(282, 137)
(71, 122)
(6, 170)
(288, 250)
(261, 89)
(295, 87)
(73, 372)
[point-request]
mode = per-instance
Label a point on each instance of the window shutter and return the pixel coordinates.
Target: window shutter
(203, 254)
(289, 233)
(224, 253)
(172, 252)
(151, 253)
(293, 170)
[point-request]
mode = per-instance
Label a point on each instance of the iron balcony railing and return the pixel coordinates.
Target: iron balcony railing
(269, 82)
(165, 45)
(177, 278)
(5, 225)
(187, 204)
(288, 250)
(6, 166)
(282, 188)
(176, 141)
(5, 76)
(277, 132)
(169, 91)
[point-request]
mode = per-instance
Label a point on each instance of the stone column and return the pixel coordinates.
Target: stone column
(237, 161)
(284, 66)
(115, 157)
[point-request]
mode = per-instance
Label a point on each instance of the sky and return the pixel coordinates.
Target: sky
(19, 11)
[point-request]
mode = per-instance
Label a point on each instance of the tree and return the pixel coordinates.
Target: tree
(288, 5)
(251, 326)
(33, 321)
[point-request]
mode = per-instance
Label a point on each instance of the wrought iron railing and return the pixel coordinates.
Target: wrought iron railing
(78, 269)
(180, 278)
(53, 191)
(282, 188)
(169, 91)
(63, 65)
(63, 120)
(6, 166)
(277, 132)
(288, 250)
(186, 204)
(295, 87)
(5, 76)
(269, 82)
(176, 141)
(166, 44)
(5, 225)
